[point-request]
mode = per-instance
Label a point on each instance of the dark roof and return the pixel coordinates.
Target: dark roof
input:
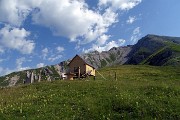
(83, 60)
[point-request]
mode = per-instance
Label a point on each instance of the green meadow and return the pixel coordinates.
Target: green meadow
(124, 92)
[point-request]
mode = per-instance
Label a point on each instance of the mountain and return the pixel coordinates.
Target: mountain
(115, 56)
(149, 50)
(156, 50)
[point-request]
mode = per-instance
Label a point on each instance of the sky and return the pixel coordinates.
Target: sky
(36, 33)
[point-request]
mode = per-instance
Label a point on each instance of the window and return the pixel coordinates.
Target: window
(76, 69)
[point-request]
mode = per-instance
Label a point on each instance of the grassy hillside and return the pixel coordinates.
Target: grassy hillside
(156, 50)
(140, 92)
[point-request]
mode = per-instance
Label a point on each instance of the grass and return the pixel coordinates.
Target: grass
(140, 92)
(112, 57)
(174, 46)
(161, 50)
(143, 51)
(103, 63)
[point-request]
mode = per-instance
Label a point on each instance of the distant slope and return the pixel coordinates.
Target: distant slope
(150, 50)
(156, 50)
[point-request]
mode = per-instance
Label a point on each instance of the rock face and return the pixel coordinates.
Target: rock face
(115, 56)
(150, 50)
(28, 77)
(13, 80)
(32, 77)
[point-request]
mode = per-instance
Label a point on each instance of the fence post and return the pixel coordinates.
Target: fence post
(115, 76)
(79, 72)
(109, 75)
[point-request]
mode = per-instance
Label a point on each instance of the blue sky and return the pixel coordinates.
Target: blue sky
(36, 33)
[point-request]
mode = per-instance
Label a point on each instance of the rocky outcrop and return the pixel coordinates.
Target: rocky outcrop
(13, 80)
(28, 77)
(115, 56)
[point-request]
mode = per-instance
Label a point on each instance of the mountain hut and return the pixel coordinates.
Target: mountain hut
(80, 68)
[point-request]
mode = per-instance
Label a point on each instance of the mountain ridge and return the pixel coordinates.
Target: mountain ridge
(149, 50)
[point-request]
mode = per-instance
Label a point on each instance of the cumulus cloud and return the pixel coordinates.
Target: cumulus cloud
(1, 50)
(54, 58)
(4, 59)
(131, 19)
(19, 63)
(119, 4)
(53, 54)
(45, 52)
(19, 66)
(69, 18)
(5, 71)
(102, 39)
(40, 65)
(107, 46)
(14, 12)
(76, 18)
(60, 49)
(136, 35)
(1, 60)
(77, 22)
(16, 38)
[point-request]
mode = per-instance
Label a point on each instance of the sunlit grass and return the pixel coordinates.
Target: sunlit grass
(140, 92)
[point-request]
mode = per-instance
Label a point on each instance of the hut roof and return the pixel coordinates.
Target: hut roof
(82, 60)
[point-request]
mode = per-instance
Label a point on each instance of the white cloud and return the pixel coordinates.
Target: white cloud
(121, 42)
(54, 57)
(131, 19)
(14, 12)
(4, 59)
(16, 38)
(19, 67)
(69, 18)
(107, 46)
(40, 65)
(102, 39)
(45, 52)
(5, 71)
(136, 35)
(1, 60)
(60, 49)
(19, 63)
(1, 50)
(53, 54)
(119, 4)
(77, 21)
